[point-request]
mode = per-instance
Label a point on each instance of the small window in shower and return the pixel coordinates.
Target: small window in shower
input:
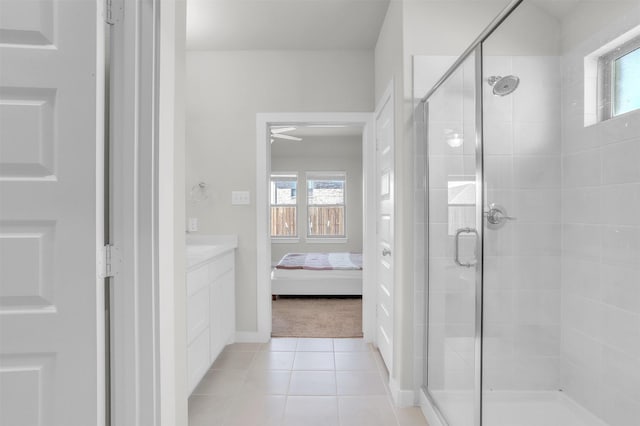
(619, 75)
(461, 203)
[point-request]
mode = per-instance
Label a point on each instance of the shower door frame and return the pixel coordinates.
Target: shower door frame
(474, 48)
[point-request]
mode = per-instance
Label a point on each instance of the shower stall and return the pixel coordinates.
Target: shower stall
(532, 228)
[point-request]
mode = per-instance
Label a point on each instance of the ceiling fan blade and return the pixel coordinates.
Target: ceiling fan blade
(287, 137)
(282, 129)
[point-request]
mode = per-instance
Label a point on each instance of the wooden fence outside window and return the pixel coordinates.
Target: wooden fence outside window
(324, 221)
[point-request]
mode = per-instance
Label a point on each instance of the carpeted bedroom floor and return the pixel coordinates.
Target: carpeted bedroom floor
(317, 317)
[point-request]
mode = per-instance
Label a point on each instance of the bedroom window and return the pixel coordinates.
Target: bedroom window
(326, 202)
(619, 83)
(284, 187)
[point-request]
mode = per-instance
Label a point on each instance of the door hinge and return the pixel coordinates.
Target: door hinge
(113, 11)
(109, 261)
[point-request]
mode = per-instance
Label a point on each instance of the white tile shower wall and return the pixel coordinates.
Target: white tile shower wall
(522, 268)
(600, 265)
(601, 251)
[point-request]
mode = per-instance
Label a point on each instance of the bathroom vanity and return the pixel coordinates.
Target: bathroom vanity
(210, 301)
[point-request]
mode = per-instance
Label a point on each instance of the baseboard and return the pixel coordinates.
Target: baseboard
(401, 397)
(251, 337)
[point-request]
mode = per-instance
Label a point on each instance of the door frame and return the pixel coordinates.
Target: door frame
(263, 172)
(137, 392)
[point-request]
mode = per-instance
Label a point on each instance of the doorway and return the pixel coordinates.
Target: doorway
(316, 230)
(267, 122)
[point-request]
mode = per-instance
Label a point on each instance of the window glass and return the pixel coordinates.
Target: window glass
(326, 195)
(626, 92)
(283, 195)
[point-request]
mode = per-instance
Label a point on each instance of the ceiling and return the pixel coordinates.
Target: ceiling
(327, 131)
(284, 24)
(316, 131)
(304, 24)
(323, 142)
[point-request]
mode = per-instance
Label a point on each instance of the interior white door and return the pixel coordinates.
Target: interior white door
(51, 218)
(384, 277)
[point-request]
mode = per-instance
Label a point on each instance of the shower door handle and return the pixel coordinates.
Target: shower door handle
(456, 250)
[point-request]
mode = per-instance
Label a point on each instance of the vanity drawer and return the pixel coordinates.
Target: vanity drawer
(198, 359)
(197, 280)
(220, 266)
(197, 313)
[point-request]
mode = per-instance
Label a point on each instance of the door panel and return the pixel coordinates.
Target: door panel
(51, 371)
(385, 279)
(452, 246)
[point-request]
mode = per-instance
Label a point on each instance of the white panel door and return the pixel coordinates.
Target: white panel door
(51, 219)
(385, 280)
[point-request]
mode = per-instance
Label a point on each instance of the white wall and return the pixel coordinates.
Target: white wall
(225, 90)
(586, 20)
(445, 27)
(388, 51)
(314, 154)
(600, 233)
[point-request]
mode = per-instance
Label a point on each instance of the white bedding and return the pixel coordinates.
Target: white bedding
(321, 261)
(300, 274)
(326, 282)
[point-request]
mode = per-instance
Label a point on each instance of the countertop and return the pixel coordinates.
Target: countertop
(202, 248)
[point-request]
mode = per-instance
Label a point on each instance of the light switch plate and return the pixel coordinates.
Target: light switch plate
(193, 224)
(240, 198)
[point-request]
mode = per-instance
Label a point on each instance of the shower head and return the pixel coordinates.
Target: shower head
(503, 86)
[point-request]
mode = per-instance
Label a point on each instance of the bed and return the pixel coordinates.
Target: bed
(318, 274)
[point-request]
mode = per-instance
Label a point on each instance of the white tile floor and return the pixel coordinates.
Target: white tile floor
(298, 382)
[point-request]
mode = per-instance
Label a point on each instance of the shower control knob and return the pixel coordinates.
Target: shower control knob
(497, 215)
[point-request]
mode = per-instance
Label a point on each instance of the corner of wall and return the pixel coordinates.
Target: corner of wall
(401, 397)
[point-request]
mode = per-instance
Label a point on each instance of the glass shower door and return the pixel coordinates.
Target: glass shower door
(452, 331)
(522, 230)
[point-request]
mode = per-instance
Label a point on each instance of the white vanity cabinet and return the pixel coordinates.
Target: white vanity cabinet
(210, 308)
(222, 304)
(198, 323)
